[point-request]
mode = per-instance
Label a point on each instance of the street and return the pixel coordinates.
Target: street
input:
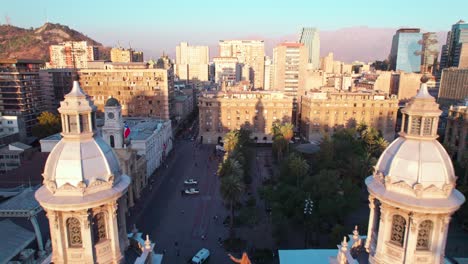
(180, 225)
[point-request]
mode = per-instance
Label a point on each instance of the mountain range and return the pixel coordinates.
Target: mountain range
(348, 44)
(16, 42)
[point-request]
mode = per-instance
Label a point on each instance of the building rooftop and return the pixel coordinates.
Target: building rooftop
(18, 239)
(24, 203)
(15, 61)
(29, 173)
(142, 128)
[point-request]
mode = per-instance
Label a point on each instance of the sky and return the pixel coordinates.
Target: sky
(155, 25)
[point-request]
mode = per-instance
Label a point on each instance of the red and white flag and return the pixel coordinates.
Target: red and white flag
(126, 130)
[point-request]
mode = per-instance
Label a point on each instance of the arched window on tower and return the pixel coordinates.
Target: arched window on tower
(397, 236)
(111, 140)
(99, 228)
(424, 235)
(74, 232)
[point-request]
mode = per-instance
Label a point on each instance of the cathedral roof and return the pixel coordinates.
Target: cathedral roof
(81, 163)
(416, 164)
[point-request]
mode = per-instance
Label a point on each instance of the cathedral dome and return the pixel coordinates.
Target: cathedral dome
(81, 163)
(417, 162)
(112, 102)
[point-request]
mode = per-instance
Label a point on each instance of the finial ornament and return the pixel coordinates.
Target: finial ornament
(424, 78)
(147, 242)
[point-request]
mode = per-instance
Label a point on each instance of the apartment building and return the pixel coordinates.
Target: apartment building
(290, 65)
(453, 86)
(142, 89)
(324, 113)
(192, 62)
(20, 92)
(221, 112)
(55, 83)
(126, 55)
(456, 131)
(72, 54)
(250, 54)
(227, 70)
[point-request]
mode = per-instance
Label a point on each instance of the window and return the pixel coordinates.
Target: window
(427, 127)
(74, 232)
(397, 236)
(416, 125)
(424, 235)
(84, 123)
(73, 125)
(99, 228)
(9, 122)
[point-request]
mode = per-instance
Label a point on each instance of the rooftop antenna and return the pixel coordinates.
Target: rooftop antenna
(118, 44)
(7, 20)
(129, 45)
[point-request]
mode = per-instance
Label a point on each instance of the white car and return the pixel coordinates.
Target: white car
(192, 191)
(190, 182)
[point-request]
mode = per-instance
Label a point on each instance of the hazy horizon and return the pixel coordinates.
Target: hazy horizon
(157, 27)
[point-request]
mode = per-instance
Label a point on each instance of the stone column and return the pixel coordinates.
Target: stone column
(384, 228)
(114, 231)
(86, 237)
(78, 125)
(371, 223)
(37, 231)
(411, 234)
(403, 118)
(57, 224)
(440, 250)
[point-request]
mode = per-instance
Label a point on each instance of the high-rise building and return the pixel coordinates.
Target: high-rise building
(126, 55)
(192, 62)
(250, 54)
(453, 86)
(142, 90)
(269, 74)
(72, 54)
(227, 70)
(404, 85)
(84, 190)
(20, 92)
(55, 83)
(311, 40)
(326, 63)
(452, 51)
(290, 64)
(430, 53)
(221, 112)
(406, 49)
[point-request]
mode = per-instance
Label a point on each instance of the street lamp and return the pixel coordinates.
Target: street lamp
(308, 208)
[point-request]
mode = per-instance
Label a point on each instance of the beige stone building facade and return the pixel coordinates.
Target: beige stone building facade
(222, 112)
(250, 53)
(453, 86)
(456, 131)
(323, 113)
(405, 85)
(290, 65)
(142, 91)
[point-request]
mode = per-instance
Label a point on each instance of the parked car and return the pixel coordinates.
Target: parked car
(201, 256)
(190, 182)
(192, 191)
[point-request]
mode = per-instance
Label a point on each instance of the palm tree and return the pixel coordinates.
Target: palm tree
(298, 167)
(231, 139)
(230, 166)
(279, 145)
(232, 189)
(287, 130)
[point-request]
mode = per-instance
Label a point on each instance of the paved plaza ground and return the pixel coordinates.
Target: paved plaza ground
(180, 225)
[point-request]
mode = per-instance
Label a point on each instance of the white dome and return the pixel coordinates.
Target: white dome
(414, 161)
(81, 163)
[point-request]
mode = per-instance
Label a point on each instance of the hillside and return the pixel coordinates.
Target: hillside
(34, 43)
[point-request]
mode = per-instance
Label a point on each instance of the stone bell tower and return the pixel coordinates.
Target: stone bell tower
(82, 189)
(412, 192)
(112, 131)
